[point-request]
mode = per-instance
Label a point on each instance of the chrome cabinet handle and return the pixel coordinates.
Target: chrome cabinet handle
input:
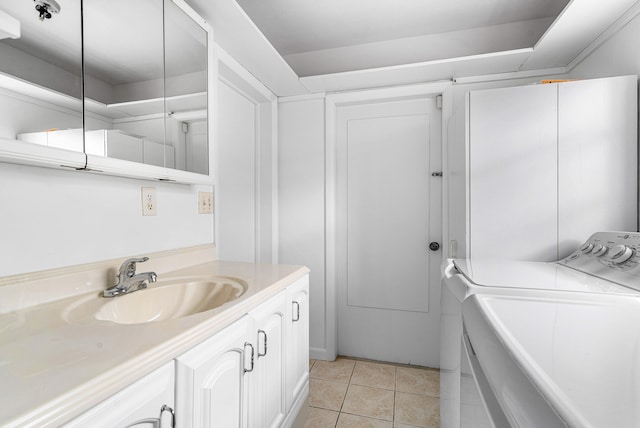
(296, 316)
(265, 343)
(166, 408)
(252, 355)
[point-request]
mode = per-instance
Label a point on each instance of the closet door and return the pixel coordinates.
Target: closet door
(597, 151)
(512, 146)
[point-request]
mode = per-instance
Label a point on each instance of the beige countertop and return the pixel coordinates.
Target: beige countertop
(52, 369)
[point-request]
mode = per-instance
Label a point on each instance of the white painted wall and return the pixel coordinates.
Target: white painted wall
(236, 184)
(301, 129)
(53, 218)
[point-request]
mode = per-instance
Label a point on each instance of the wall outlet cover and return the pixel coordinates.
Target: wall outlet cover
(205, 202)
(149, 201)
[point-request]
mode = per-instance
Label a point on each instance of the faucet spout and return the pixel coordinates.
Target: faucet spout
(129, 281)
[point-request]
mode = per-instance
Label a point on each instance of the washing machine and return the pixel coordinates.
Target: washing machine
(603, 268)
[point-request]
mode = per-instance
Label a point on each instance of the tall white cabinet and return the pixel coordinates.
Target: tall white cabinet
(549, 164)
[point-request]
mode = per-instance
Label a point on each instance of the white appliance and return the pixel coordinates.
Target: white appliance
(605, 268)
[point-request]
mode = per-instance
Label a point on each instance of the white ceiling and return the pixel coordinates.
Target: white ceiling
(336, 35)
(296, 47)
(303, 26)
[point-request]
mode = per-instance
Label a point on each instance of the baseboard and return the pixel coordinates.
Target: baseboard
(320, 354)
(299, 408)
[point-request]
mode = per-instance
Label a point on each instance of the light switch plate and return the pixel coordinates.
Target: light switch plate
(205, 202)
(149, 201)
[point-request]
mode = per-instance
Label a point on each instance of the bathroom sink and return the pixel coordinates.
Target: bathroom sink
(160, 302)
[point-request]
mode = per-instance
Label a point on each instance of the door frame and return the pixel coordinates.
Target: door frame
(234, 75)
(332, 103)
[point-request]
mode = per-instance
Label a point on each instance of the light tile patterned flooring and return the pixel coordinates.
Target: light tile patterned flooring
(354, 393)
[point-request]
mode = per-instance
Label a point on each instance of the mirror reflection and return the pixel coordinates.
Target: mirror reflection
(40, 73)
(124, 80)
(186, 90)
(145, 79)
(146, 83)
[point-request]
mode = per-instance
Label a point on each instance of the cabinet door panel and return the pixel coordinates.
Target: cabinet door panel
(138, 405)
(268, 405)
(597, 151)
(513, 173)
(297, 322)
(222, 392)
(210, 389)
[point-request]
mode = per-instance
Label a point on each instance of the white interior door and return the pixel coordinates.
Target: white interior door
(388, 211)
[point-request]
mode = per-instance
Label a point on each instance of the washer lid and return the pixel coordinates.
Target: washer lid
(582, 356)
(533, 275)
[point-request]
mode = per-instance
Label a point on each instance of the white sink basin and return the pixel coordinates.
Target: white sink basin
(160, 302)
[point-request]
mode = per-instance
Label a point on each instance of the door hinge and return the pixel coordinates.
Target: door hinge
(439, 102)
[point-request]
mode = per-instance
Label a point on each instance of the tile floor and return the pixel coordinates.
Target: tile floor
(359, 394)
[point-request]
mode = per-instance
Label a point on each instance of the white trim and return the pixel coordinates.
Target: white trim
(510, 76)
(306, 97)
(275, 223)
(613, 29)
(330, 270)
(321, 354)
(257, 194)
(253, 84)
(446, 116)
(408, 91)
(419, 64)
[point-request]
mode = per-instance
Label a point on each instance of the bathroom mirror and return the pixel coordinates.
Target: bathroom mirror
(143, 110)
(124, 80)
(186, 68)
(41, 77)
(145, 84)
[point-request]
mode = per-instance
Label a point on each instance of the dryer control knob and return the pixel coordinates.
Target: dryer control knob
(620, 254)
(599, 250)
(586, 247)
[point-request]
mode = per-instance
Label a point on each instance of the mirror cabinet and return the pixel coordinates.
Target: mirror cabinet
(120, 87)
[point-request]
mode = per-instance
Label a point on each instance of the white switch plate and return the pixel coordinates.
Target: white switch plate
(205, 202)
(149, 201)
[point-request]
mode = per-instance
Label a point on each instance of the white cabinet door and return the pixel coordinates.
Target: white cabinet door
(267, 405)
(297, 337)
(147, 403)
(210, 389)
(513, 170)
(597, 153)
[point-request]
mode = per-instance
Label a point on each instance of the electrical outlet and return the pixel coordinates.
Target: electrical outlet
(149, 201)
(205, 202)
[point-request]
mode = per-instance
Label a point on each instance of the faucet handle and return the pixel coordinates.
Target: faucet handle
(128, 267)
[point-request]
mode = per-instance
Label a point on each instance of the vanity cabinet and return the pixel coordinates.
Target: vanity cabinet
(147, 403)
(252, 374)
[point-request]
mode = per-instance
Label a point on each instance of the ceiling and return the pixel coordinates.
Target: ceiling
(298, 47)
(336, 35)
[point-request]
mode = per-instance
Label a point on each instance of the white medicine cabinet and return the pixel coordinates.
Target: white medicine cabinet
(123, 90)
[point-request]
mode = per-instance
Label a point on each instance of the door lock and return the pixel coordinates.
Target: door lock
(434, 246)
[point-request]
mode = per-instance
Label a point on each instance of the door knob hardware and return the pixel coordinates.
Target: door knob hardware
(434, 246)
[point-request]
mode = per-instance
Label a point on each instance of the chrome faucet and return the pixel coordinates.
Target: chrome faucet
(128, 280)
